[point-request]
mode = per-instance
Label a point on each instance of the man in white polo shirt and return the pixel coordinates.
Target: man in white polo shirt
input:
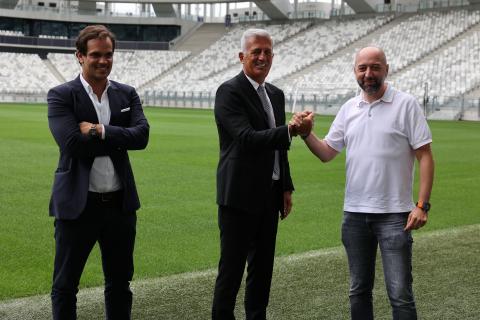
(383, 131)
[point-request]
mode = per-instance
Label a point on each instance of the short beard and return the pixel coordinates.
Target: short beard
(370, 89)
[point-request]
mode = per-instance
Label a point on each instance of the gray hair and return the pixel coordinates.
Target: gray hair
(251, 33)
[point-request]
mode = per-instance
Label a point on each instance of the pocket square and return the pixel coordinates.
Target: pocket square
(125, 110)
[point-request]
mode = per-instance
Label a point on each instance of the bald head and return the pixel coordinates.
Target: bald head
(371, 53)
(371, 70)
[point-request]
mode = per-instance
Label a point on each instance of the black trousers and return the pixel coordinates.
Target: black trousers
(246, 237)
(102, 221)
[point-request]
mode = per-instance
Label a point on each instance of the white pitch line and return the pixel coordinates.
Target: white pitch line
(91, 295)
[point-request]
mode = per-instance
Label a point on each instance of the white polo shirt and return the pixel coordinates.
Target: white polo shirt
(380, 139)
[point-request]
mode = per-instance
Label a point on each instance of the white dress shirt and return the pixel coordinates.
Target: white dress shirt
(103, 177)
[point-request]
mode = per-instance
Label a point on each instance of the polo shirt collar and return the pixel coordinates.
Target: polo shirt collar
(387, 97)
(388, 94)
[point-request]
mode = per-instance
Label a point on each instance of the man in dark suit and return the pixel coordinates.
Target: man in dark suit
(253, 178)
(94, 198)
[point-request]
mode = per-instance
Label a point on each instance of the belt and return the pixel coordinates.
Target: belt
(106, 196)
(275, 183)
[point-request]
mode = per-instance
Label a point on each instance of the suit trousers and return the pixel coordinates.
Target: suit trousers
(102, 220)
(246, 237)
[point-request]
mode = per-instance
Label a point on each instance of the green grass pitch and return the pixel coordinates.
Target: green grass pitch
(177, 224)
(306, 286)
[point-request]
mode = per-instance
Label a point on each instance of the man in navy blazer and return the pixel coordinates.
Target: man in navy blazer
(254, 185)
(94, 122)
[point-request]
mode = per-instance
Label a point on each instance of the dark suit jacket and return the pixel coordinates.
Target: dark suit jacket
(68, 105)
(247, 144)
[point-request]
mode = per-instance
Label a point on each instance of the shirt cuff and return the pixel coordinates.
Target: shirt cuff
(103, 131)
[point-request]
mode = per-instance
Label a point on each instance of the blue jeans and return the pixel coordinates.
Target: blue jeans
(361, 234)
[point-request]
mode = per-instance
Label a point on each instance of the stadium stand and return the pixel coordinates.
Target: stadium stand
(405, 47)
(315, 42)
(11, 33)
(65, 64)
(133, 67)
(432, 53)
(218, 57)
(451, 72)
(22, 73)
(413, 62)
(47, 36)
(404, 44)
(319, 42)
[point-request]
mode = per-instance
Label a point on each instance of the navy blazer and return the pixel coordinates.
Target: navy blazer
(248, 144)
(68, 105)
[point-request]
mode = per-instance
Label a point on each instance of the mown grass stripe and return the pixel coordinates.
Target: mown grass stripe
(309, 285)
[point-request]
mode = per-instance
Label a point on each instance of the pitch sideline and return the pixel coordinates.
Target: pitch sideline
(29, 307)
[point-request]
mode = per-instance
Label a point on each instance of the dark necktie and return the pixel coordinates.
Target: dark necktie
(271, 122)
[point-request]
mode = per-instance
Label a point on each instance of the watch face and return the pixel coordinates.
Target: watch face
(425, 206)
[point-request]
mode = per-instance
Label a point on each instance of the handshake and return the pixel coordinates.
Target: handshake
(301, 124)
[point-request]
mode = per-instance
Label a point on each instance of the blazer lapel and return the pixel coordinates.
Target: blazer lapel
(114, 102)
(83, 107)
(253, 97)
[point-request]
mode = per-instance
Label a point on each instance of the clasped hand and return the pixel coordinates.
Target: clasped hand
(86, 126)
(302, 123)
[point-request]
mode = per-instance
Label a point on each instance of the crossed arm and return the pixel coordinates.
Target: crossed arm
(72, 136)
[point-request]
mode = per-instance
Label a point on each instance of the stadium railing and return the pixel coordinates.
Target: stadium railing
(328, 103)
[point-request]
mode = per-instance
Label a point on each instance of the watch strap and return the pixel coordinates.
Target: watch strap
(424, 205)
(93, 131)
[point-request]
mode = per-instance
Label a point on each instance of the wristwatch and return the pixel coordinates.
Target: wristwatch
(425, 206)
(93, 131)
